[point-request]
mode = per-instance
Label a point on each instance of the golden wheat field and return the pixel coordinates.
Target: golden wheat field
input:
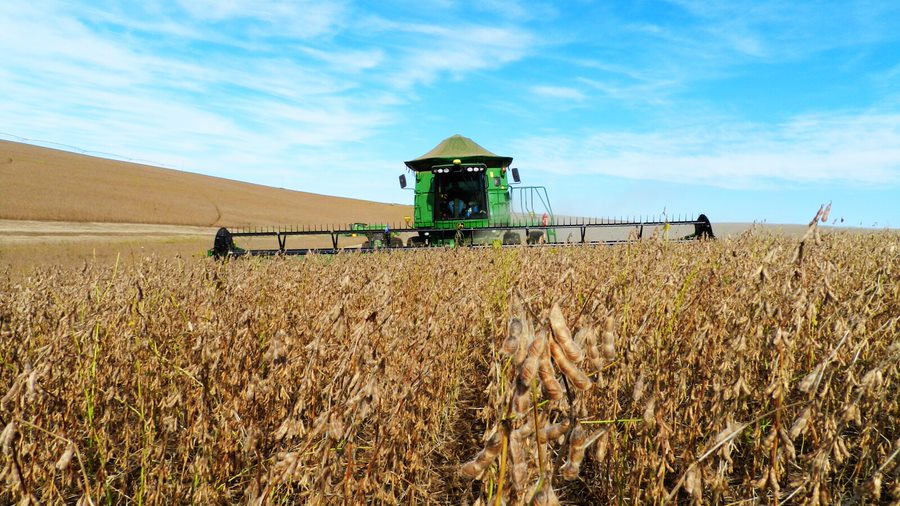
(754, 369)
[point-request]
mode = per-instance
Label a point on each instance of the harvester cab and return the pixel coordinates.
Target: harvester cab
(459, 192)
(463, 191)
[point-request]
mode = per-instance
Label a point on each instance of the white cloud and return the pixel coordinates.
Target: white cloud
(787, 30)
(560, 92)
(261, 90)
(425, 53)
(653, 92)
(638, 57)
(349, 60)
(230, 113)
(517, 9)
(296, 18)
(859, 148)
(270, 106)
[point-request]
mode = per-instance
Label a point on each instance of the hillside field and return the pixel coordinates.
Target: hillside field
(65, 209)
(62, 208)
(38, 183)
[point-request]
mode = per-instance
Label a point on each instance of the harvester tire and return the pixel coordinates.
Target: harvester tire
(224, 243)
(703, 229)
(396, 242)
(511, 238)
(535, 236)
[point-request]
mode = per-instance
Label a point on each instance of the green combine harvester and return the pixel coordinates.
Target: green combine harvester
(464, 196)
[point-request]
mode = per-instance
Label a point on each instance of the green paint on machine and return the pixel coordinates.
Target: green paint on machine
(463, 195)
(461, 187)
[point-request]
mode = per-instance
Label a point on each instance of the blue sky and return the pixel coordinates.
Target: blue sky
(744, 110)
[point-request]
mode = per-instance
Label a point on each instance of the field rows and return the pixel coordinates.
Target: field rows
(750, 368)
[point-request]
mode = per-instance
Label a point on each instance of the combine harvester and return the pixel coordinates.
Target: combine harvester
(463, 196)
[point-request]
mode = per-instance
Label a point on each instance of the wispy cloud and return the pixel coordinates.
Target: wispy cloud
(561, 92)
(774, 29)
(273, 90)
(859, 149)
(517, 9)
(648, 91)
(225, 87)
(640, 58)
(295, 18)
(425, 53)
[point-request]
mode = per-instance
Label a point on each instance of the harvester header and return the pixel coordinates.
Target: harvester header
(466, 195)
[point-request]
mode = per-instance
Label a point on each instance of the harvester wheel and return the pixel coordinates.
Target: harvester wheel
(224, 243)
(535, 236)
(703, 229)
(396, 242)
(511, 238)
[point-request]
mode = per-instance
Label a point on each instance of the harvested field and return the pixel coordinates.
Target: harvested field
(38, 183)
(26, 245)
(746, 369)
(61, 208)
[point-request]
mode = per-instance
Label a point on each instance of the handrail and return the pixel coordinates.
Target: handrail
(524, 196)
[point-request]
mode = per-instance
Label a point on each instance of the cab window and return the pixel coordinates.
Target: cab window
(459, 196)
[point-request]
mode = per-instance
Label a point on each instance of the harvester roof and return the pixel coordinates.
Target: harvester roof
(459, 148)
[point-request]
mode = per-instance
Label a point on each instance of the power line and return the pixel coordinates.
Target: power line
(88, 152)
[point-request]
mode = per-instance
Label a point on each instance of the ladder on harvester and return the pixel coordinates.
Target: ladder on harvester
(525, 200)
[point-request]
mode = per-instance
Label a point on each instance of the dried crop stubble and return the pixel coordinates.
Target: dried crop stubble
(371, 378)
(200, 380)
